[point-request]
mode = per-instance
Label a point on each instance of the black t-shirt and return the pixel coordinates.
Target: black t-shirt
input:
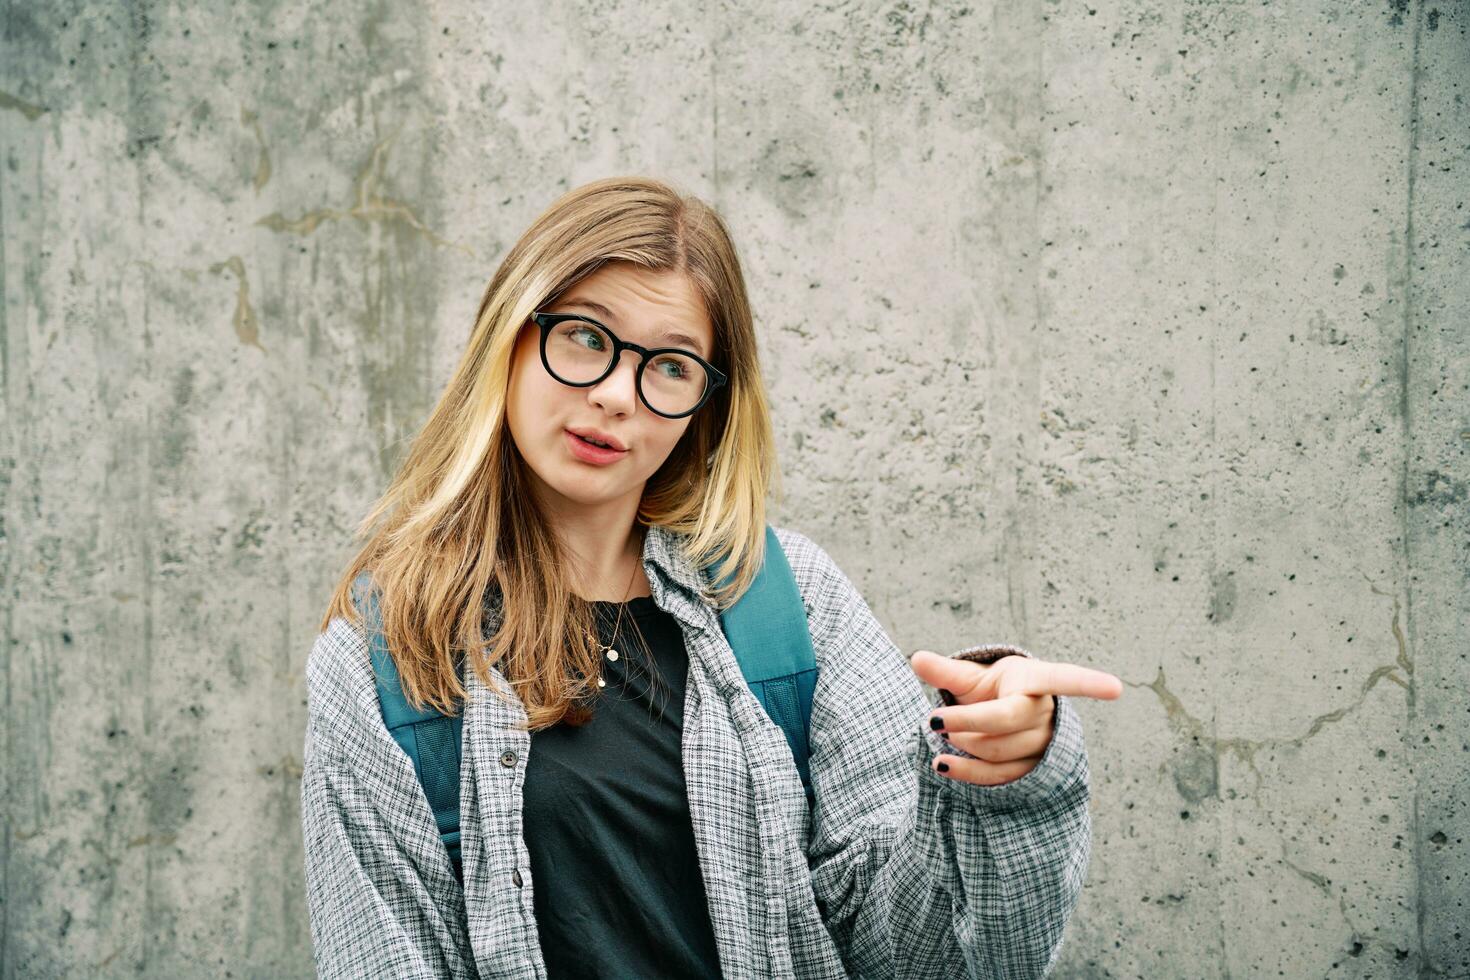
(616, 880)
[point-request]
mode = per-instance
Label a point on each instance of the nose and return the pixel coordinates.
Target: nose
(617, 394)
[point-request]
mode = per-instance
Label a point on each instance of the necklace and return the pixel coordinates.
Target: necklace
(608, 651)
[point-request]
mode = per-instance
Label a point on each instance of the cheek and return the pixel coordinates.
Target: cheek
(528, 397)
(662, 443)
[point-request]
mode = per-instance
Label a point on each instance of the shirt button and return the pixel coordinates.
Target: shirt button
(515, 876)
(508, 759)
(612, 654)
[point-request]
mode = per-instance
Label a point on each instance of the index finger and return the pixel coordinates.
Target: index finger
(1045, 677)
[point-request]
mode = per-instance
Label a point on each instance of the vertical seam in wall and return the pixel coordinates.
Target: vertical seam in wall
(1025, 354)
(1028, 503)
(146, 525)
(1213, 509)
(5, 584)
(291, 801)
(1412, 157)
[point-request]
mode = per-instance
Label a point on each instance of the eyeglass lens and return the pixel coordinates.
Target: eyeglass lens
(578, 352)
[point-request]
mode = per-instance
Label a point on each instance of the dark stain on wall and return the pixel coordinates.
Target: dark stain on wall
(1441, 491)
(1197, 773)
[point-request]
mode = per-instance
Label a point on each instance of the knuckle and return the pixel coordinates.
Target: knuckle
(989, 751)
(964, 742)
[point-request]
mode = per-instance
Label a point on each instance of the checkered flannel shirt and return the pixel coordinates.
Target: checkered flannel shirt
(898, 872)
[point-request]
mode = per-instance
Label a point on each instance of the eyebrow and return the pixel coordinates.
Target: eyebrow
(673, 336)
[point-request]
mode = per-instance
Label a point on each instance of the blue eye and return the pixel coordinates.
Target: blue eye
(588, 337)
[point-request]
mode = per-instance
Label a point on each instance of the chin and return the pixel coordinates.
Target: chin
(586, 497)
(586, 489)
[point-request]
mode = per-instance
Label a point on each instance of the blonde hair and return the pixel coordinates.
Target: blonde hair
(458, 527)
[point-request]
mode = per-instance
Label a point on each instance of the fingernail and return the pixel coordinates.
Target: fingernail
(943, 767)
(936, 723)
(946, 694)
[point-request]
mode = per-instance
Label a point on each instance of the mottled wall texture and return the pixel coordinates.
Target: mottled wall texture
(1136, 332)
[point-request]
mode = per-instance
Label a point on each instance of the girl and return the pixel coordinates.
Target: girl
(545, 559)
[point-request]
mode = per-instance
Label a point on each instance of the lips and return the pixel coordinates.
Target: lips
(587, 452)
(597, 436)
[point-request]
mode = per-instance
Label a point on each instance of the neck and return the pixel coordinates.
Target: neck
(604, 547)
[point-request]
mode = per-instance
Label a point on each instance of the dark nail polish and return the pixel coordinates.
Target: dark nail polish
(936, 722)
(943, 767)
(946, 695)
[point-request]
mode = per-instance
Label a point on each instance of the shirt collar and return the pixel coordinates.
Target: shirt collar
(663, 550)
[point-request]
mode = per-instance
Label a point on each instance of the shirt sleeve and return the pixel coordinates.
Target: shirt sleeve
(370, 913)
(918, 875)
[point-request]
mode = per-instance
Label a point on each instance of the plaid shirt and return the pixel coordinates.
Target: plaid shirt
(899, 871)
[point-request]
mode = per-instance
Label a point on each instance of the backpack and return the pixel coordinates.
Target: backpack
(766, 628)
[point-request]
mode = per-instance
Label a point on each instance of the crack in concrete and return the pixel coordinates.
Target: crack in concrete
(1184, 723)
(247, 327)
(1358, 938)
(28, 109)
(369, 205)
(1321, 881)
(263, 162)
(1403, 660)
(148, 839)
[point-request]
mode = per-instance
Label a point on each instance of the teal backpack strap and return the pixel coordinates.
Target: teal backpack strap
(767, 629)
(431, 740)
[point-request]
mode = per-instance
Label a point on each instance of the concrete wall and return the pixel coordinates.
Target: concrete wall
(1138, 333)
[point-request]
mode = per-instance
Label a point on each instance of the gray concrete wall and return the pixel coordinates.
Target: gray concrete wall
(1138, 333)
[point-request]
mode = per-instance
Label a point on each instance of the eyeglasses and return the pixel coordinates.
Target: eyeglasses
(578, 351)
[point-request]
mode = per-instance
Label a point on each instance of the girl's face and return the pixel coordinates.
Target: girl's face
(654, 309)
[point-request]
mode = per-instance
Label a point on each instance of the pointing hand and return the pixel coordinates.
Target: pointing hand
(1004, 712)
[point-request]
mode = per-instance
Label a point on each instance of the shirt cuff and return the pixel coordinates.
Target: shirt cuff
(1062, 765)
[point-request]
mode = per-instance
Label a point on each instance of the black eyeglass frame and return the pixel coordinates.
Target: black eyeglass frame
(546, 321)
